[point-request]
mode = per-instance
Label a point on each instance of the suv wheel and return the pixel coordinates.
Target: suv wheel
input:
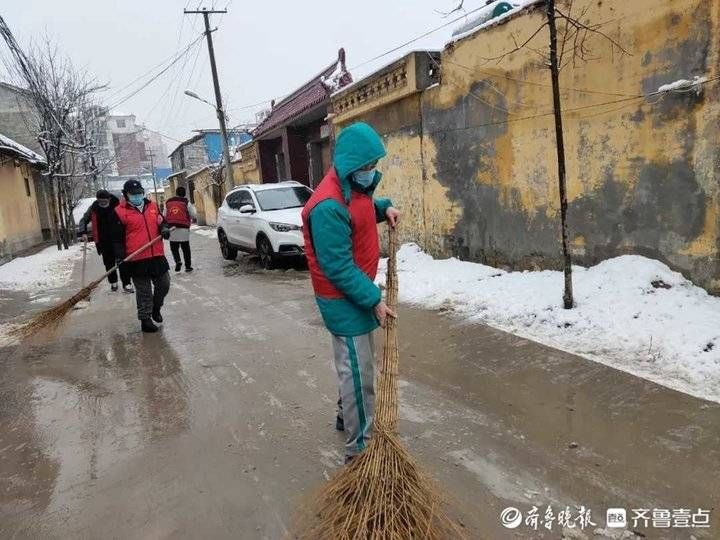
(228, 252)
(266, 254)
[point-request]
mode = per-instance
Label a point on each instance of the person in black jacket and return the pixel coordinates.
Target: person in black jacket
(101, 215)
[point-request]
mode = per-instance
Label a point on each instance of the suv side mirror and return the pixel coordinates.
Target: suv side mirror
(247, 209)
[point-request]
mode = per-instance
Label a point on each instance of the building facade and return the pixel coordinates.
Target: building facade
(20, 224)
(472, 160)
(294, 140)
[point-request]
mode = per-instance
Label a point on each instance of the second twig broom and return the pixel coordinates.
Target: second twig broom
(382, 494)
(51, 317)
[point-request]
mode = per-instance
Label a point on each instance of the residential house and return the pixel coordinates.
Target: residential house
(16, 122)
(193, 163)
(129, 148)
(294, 141)
(20, 225)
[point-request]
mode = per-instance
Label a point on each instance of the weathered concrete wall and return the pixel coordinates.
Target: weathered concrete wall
(400, 124)
(247, 169)
(19, 221)
(472, 162)
(642, 173)
(203, 197)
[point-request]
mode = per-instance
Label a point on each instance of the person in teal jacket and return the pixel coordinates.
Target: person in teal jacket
(343, 251)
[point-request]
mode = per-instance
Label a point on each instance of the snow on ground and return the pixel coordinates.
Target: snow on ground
(48, 269)
(210, 232)
(632, 313)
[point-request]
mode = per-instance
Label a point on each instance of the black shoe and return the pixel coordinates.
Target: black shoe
(128, 289)
(340, 423)
(178, 267)
(146, 325)
(113, 287)
(156, 316)
(188, 268)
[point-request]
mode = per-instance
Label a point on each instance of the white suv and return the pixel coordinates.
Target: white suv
(263, 218)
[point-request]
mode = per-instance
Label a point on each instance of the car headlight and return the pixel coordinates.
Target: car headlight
(284, 227)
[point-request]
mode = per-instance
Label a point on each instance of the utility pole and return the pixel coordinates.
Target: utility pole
(151, 155)
(230, 182)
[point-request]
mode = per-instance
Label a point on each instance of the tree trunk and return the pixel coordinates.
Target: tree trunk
(560, 145)
(52, 197)
(61, 215)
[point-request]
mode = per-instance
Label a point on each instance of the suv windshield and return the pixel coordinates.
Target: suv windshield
(279, 199)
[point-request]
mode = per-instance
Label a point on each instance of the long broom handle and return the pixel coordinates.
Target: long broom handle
(84, 248)
(126, 259)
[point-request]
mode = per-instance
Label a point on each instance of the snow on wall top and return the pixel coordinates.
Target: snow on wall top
(23, 152)
(483, 19)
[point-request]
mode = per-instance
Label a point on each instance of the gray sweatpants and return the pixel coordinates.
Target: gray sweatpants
(355, 365)
(150, 293)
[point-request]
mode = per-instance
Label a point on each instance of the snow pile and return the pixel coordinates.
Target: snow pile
(209, 232)
(484, 17)
(632, 313)
(48, 269)
(334, 81)
(684, 85)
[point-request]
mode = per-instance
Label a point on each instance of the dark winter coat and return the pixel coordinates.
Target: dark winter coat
(102, 220)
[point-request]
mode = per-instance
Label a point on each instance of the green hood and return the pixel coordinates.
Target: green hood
(357, 146)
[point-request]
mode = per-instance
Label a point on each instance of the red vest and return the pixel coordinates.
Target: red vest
(141, 228)
(176, 212)
(364, 236)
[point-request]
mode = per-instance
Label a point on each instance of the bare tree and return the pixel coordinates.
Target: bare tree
(568, 44)
(63, 119)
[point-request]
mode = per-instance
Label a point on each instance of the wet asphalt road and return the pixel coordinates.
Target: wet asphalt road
(218, 426)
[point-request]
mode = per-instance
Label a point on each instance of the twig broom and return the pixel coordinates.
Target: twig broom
(381, 494)
(51, 317)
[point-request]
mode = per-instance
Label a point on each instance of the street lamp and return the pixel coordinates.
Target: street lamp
(223, 135)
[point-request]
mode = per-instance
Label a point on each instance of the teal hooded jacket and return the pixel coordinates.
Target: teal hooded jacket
(356, 146)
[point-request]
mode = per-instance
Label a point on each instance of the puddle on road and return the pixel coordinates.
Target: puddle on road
(250, 264)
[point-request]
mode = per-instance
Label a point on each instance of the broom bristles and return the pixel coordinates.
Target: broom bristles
(51, 317)
(382, 494)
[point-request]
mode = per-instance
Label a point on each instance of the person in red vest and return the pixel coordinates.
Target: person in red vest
(179, 213)
(342, 247)
(139, 221)
(101, 216)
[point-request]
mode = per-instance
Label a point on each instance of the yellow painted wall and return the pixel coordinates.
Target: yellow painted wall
(651, 151)
(19, 222)
(203, 196)
(247, 169)
(476, 173)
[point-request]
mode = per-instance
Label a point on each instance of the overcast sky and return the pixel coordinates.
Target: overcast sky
(264, 48)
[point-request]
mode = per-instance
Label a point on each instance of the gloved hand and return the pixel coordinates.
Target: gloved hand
(165, 233)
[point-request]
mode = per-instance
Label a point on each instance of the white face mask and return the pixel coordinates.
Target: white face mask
(364, 178)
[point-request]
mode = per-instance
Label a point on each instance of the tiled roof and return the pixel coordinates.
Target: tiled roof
(304, 99)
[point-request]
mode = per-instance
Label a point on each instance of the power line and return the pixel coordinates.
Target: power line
(625, 100)
(158, 75)
(418, 38)
(173, 57)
